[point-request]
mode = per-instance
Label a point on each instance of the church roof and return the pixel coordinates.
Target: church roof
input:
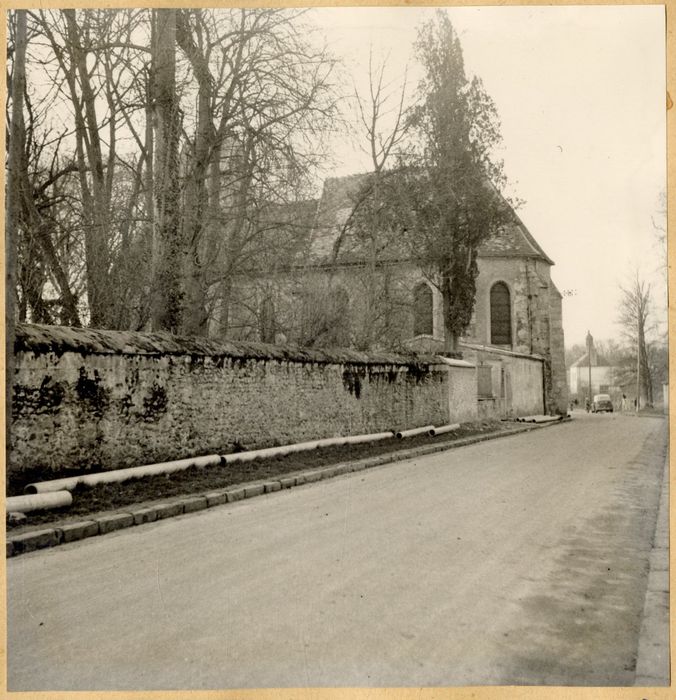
(338, 200)
(514, 240)
(284, 231)
(335, 206)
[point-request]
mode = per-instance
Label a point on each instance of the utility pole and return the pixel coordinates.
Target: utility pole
(638, 362)
(590, 343)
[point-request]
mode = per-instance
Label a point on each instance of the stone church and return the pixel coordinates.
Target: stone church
(324, 286)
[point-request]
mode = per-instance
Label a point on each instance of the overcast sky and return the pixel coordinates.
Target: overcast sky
(581, 96)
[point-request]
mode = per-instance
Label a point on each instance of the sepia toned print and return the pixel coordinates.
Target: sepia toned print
(337, 348)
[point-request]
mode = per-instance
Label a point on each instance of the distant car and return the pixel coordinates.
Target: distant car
(601, 403)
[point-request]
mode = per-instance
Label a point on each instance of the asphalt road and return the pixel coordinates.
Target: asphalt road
(517, 561)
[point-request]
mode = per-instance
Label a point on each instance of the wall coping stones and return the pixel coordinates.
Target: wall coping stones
(42, 339)
(500, 351)
(452, 362)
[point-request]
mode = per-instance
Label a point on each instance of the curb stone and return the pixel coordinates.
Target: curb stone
(110, 522)
(255, 489)
(70, 532)
(235, 495)
(169, 510)
(194, 503)
(144, 515)
(38, 539)
(216, 498)
(117, 521)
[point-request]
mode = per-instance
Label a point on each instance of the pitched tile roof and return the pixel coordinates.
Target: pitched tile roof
(340, 196)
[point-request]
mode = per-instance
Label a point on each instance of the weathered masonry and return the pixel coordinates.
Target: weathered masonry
(104, 399)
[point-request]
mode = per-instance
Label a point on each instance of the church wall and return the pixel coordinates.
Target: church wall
(537, 325)
(518, 275)
(559, 396)
(306, 311)
(535, 311)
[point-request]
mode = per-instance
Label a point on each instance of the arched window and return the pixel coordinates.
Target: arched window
(422, 310)
(501, 315)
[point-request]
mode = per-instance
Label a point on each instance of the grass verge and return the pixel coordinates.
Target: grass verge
(195, 480)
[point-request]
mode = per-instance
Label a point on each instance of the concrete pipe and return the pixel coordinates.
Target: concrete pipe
(414, 431)
(69, 483)
(440, 430)
(265, 452)
(547, 419)
(38, 501)
(373, 437)
(282, 450)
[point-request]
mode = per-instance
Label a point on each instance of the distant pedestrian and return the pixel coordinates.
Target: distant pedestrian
(587, 405)
(624, 402)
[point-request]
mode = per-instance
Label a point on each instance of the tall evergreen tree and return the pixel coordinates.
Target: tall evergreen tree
(448, 188)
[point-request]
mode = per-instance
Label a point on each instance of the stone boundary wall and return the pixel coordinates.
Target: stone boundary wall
(462, 398)
(89, 399)
(517, 379)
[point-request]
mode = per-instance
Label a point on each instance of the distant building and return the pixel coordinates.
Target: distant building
(602, 375)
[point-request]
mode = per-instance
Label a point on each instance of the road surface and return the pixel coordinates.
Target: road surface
(516, 561)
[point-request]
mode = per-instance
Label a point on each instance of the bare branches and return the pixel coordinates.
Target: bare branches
(382, 104)
(636, 321)
(251, 98)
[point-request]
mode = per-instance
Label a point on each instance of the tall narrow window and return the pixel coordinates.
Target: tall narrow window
(422, 310)
(501, 315)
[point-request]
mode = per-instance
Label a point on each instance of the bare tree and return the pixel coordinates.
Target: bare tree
(91, 65)
(366, 234)
(635, 320)
(16, 88)
(263, 96)
(187, 127)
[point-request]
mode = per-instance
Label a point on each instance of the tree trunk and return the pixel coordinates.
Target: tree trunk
(450, 337)
(195, 213)
(97, 202)
(167, 244)
(13, 205)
